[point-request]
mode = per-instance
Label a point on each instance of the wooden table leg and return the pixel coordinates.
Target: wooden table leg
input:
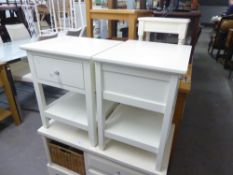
(132, 27)
(10, 95)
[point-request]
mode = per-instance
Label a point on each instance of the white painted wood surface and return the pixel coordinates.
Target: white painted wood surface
(169, 58)
(71, 109)
(164, 25)
(122, 154)
(135, 126)
(68, 46)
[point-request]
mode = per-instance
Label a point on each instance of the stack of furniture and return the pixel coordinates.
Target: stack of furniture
(133, 98)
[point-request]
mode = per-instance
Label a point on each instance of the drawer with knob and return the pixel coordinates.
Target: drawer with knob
(99, 166)
(59, 72)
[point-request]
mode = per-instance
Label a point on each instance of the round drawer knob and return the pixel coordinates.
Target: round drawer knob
(57, 72)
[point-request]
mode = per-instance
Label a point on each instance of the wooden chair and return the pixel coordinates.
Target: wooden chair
(20, 70)
(5, 84)
(218, 36)
(170, 26)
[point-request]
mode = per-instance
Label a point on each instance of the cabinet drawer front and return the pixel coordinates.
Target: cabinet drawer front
(94, 172)
(136, 87)
(53, 171)
(99, 165)
(59, 71)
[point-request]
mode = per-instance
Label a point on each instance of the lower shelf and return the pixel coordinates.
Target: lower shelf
(71, 109)
(136, 127)
(132, 157)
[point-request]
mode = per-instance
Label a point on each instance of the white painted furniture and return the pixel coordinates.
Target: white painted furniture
(163, 25)
(143, 77)
(65, 62)
(136, 83)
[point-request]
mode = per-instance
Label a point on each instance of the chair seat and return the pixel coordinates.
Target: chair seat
(21, 71)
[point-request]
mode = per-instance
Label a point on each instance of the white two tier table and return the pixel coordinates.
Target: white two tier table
(66, 63)
(143, 77)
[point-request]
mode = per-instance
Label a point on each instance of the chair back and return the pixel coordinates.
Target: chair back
(17, 31)
(163, 25)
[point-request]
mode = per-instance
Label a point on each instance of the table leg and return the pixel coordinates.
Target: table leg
(10, 94)
(132, 27)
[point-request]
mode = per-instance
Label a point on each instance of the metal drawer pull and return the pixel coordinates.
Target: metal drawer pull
(118, 173)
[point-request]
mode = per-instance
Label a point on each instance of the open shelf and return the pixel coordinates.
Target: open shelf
(134, 126)
(71, 110)
(121, 153)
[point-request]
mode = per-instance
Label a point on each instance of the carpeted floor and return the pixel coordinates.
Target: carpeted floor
(204, 146)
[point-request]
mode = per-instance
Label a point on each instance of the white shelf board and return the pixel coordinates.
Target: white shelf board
(123, 154)
(71, 109)
(136, 127)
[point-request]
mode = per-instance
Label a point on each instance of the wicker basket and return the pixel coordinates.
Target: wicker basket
(67, 157)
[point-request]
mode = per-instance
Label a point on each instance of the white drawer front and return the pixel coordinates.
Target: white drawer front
(99, 166)
(53, 171)
(59, 71)
(148, 90)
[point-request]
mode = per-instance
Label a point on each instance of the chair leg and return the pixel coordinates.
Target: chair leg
(230, 74)
(218, 54)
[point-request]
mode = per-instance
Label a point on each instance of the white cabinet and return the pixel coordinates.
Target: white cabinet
(66, 62)
(98, 165)
(140, 76)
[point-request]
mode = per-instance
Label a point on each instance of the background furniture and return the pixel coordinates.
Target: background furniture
(228, 63)
(194, 29)
(20, 70)
(114, 14)
(17, 32)
(13, 110)
(219, 35)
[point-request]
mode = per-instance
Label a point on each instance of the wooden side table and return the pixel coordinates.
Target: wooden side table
(114, 14)
(5, 84)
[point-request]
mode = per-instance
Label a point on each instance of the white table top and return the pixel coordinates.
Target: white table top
(148, 55)
(78, 47)
(11, 51)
